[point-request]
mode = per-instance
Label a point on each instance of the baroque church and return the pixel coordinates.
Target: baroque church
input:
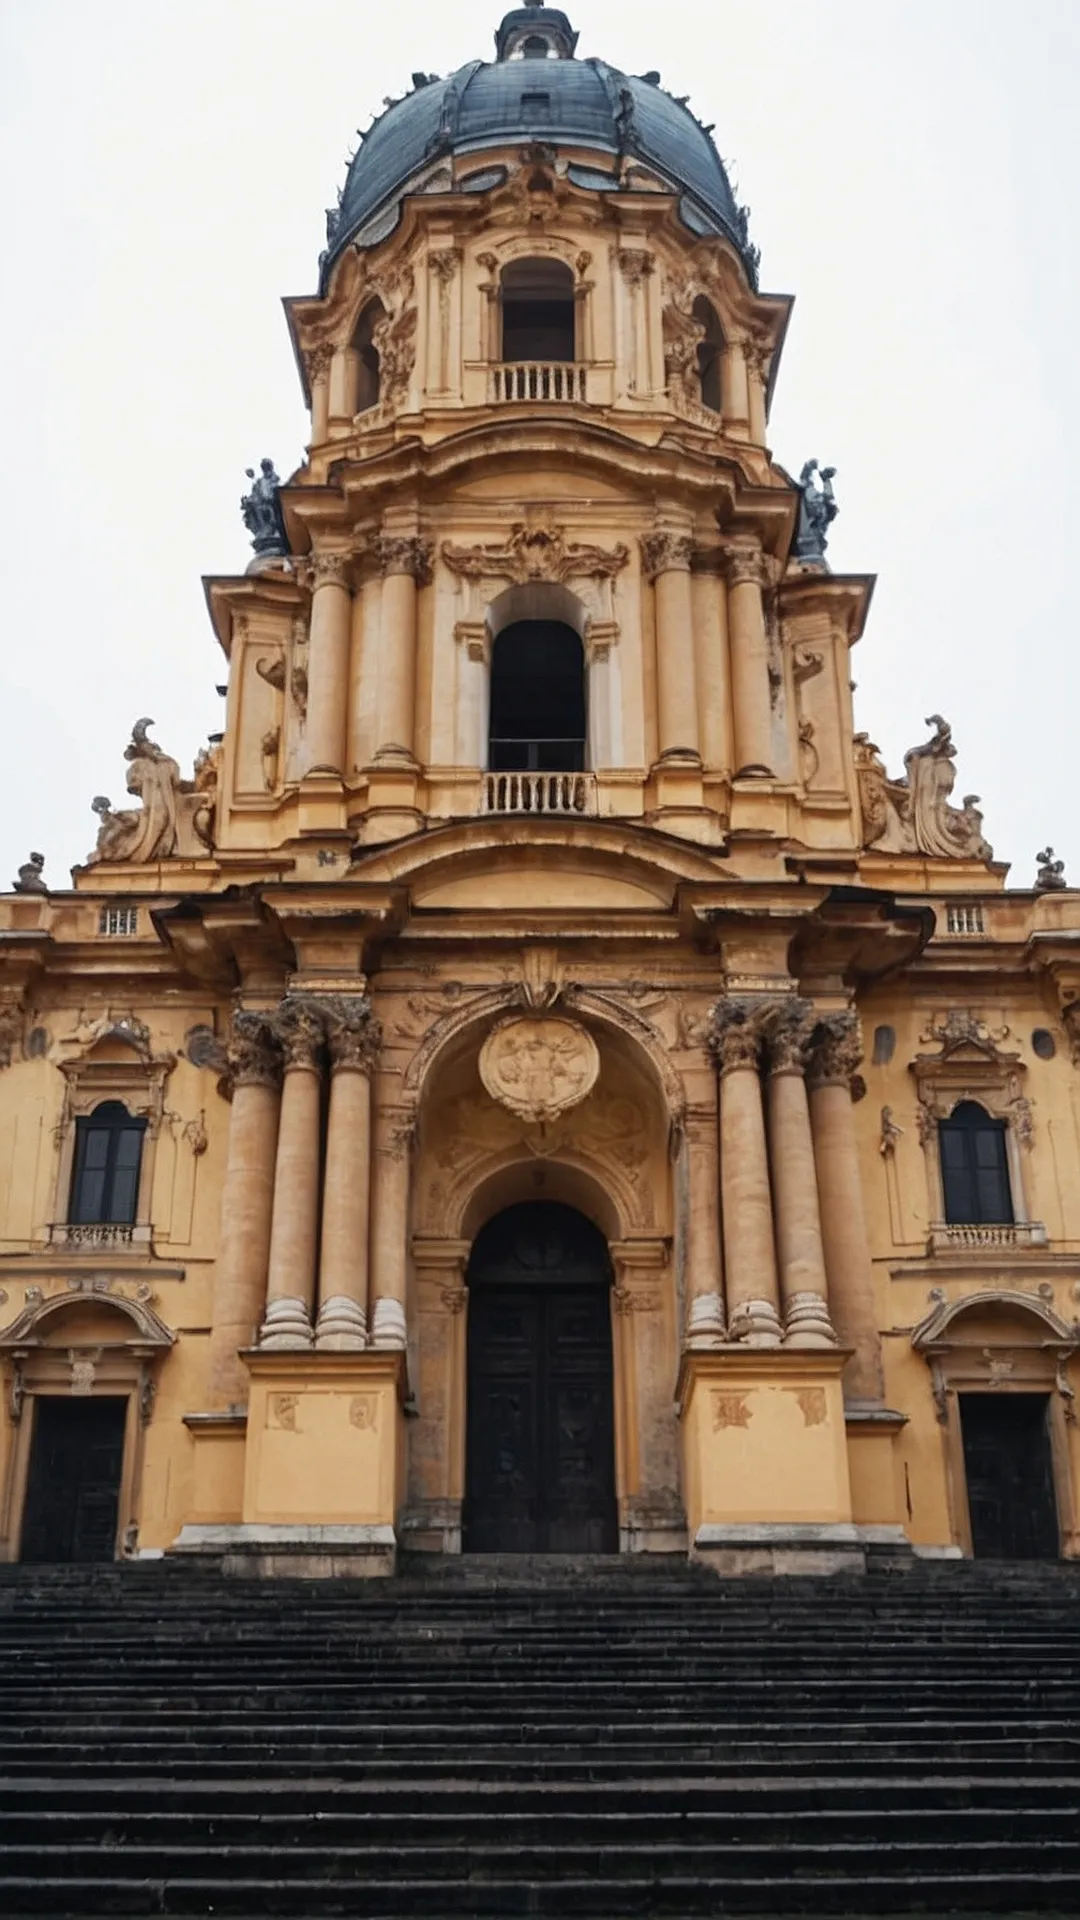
(541, 1084)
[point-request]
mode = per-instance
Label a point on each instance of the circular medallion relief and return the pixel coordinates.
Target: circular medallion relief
(539, 1068)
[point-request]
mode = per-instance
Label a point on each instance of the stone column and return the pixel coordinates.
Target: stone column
(758, 353)
(354, 1036)
(803, 1289)
(290, 1293)
(390, 1224)
(704, 1265)
(317, 362)
(749, 1250)
(246, 1201)
(328, 663)
(750, 692)
(405, 562)
(734, 386)
(665, 559)
(836, 1054)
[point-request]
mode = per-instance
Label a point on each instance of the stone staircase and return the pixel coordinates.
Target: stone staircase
(573, 1738)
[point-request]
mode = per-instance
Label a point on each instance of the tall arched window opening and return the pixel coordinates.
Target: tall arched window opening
(709, 353)
(108, 1159)
(537, 699)
(368, 374)
(538, 319)
(974, 1168)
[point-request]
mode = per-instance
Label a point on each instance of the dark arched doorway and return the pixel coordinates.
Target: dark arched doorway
(537, 699)
(540, 1440)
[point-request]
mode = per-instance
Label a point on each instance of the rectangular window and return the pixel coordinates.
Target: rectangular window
(118, 920)
(962, 919)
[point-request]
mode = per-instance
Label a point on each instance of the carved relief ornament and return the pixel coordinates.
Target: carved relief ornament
(539, 1068)
(536, 553)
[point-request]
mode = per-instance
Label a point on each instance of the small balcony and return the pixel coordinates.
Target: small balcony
(568, 794)
(99, 1236)
(515, 381)
(948, 1237)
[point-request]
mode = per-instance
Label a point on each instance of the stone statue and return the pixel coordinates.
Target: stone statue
(937, 828)
(261, 509)
(1049, 879)
(148, 832)
(817, 511)
(30, 875)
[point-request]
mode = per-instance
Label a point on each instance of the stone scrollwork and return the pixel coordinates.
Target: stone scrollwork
(914, 815)
(536, 553)
(539, 1068)
(150, 832)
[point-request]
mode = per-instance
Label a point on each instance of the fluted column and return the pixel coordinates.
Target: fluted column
(328, 663)
(665, 559)
(801, 1258)
(354, 1036)
(836, 1054)
(290, 1292)
(246, 1202)
(390, 1224)
(704, 1264)
(749, 1249)
(750, 694)
(405, 562)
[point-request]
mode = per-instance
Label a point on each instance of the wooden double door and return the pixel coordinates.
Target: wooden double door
(540, 1448)
(1009, 1466)
(73, 1484)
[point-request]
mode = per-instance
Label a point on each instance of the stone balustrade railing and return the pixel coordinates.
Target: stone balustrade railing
(539, 380)
(946, 1236)
(563, 793)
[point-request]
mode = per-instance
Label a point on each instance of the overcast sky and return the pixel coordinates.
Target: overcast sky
(911, 166)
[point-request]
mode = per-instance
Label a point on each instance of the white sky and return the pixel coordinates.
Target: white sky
(911, 166)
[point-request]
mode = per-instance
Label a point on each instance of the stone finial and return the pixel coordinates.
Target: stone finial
(817, 511)
(1050, 877)
(261, 510)
(836, 1050)
(30, 875)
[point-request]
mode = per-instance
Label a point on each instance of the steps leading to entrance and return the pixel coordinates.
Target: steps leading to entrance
(507, 1735)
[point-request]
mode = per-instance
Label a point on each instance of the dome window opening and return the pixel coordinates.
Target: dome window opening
(367, 367)
(537, 699)
(538, 312)
(537, 48)
(709, 353)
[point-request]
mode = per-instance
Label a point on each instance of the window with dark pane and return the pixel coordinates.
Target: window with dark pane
(975, 1168)
(108, 1157)
(537, 699)
(538, 313)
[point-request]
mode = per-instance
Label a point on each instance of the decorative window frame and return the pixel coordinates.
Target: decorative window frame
(1010, 1363)
(138, 1081)
(971, 1065)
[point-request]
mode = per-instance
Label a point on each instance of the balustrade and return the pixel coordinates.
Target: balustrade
(563, 793)
(539, 380)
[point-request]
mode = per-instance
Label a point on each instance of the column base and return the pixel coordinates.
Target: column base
(763, 1440)
(808, 1324)
(287, 1325)
(705, 1321)
(321, 802)
(341, 1326)
(756, 1323)
(388, 1329)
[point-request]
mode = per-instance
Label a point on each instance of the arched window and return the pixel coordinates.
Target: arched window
(709, 352)
(538, 311)
(108, 1157)
(367, 357)
(537, 699)
(535, 47)
(974, 1168)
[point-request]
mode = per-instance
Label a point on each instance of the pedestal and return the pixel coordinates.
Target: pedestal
(765, 1469)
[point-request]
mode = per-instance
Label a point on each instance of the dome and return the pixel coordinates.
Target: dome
(535, 90)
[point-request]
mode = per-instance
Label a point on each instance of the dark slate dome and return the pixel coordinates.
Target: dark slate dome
(535, 90)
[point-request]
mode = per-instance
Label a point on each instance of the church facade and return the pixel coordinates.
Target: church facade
(541, 1084)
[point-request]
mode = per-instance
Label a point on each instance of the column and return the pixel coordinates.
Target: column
(317, 361)
(801, 1258)
(666, 562)
(750, 692)
(290, 1292)
(354, 1036)
(390, 1224)
(758, 353)
(837, 1053)
(405, 562)
(749, 1249)
(328, 663)
(704, 1266)
(734, 386)
(246, 1200)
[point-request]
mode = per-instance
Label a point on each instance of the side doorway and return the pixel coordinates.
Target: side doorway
(73, 1482)
(1009, 1469)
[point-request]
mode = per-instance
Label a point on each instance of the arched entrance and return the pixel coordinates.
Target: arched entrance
(540, 1447)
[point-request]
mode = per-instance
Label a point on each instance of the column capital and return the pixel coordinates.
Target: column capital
(788, 1027)
(745, 566)
(836, 1050)
(404, 553)
(636, 264)
(317, 361)
(353, 1033)
(665, 550)
(254, 1056)
(736, 1033)
(300, 1030)
(328, 569)
(444, 262)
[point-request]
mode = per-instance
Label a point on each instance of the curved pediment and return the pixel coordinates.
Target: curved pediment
(542, 866)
